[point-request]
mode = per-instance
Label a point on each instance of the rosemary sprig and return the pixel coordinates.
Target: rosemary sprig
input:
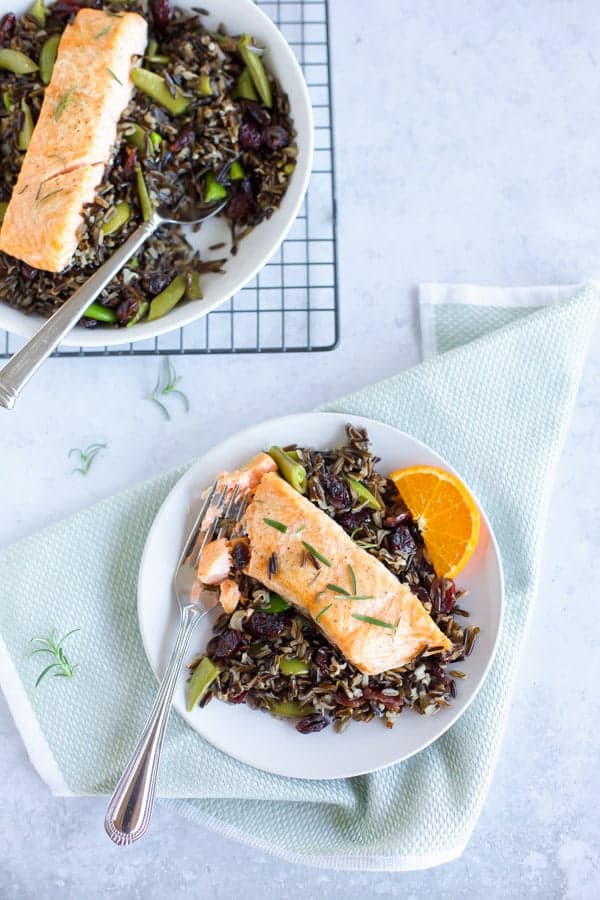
(171, 380)
(103, 32)
(371, 621)
(116, 77)
(338, 590)
(54, 648)
(275, 524)
(352, 578)
(47, 196)
(62, 103)
(323, 611)
(87, 456)
(316, 554)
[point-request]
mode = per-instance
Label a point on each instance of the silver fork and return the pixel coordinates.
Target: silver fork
(130, 809)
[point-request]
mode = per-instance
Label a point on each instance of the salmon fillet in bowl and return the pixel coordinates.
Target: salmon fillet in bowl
(210, 89)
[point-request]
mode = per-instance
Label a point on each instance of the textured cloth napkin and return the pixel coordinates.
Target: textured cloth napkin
(497, 408)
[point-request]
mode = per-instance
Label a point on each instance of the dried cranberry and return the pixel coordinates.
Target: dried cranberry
(238, 698)
(396, 518)
(129, 161)
(343, 700)
(161, 12)
(312, 723)
(257, 112)
(337, 492)
(183, 139)
(7, 27)
(249, 136)
(401, 541)
(128, 309)
(321, 660)
(65, 8)
(275, 137)
(373, 694)
(240, 554)
(350, 521)
(265, 625)
(421, 593)
(238, 207)
(155, 282)
(227, 644)
(448, 600)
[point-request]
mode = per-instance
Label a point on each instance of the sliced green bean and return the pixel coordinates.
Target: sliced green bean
(293, 667)
(3, 208)
(155, 141)
(38, 11)
(236, 173)
(48, 57)
(205, 86)
(157, 60)
(7, 101)
(213, 189)
(167, 299)
(120, 216)
(141, 314)
(152, 48)
(17, 62)
(136, 136)
(101, 313)
(293, 472)
(146, 203)
(363, 493)
(275, 605)
(291, 709)
(204, 675)
(156, 88)
(193, 289)
(244, 89)
(256, 69)
(26, 128)
(289, 168)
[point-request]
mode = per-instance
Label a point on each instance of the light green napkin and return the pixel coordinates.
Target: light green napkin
(497, 409)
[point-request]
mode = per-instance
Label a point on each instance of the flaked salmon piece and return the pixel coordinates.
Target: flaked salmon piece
(215, 562)
(76, 129)
(405, 628)
(246, 478)
(229, 595)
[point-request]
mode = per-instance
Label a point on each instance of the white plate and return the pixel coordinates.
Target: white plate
(256, 249)
(260, 739)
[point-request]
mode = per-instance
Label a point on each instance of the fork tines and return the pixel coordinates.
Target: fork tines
(229, 506)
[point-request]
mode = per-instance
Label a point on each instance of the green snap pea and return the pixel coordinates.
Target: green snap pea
(156, 88)
(167, 299)
(236, 173)
(7, 101)
(157, 59)
(141, 313)
(146, 203)
(136, 136)
(152, 48)
(213, 189)
(204, 86)
(293, 667)
(3, 208)
(275, 605)
(48, 57)
(193, 290)
(291, 709)
(120, 216)
(363, 493)
(101, 313)
(155, 141)
(256, 69)
(244, 89)
(17, 62)
(292, 471)
(204, 675)
(26, 128)
(38, 11)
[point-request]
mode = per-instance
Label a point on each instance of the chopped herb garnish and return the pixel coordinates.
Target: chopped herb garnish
(62, 103)
(300, 529)
(87, 456)
(103, 32)
(170, 387)
(371, 621)
(275, 524)
(22, 191)
(323, 611)
(337, 589)
(61, 159)
(47, 196)
(49, 645)
(116, 77)
(316, 553)
(352, 578)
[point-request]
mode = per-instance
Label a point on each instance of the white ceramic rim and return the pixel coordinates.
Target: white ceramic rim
(292, 80)
(451, 716)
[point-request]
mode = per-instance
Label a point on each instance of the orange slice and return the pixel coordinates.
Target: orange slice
(446, 515)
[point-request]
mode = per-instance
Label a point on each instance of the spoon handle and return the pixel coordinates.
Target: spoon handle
(130, 809)
(26, 361)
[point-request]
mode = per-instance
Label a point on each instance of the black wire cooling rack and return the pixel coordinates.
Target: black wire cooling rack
(292, 304)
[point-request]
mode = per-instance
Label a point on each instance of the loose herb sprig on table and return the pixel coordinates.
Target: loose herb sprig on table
(87, 456)
(171, 379)
(49, 645)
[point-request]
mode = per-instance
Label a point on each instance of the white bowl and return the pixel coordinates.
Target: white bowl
(255, 250)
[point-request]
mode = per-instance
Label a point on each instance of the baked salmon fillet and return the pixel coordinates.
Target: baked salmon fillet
(73, 138)
(281, 521)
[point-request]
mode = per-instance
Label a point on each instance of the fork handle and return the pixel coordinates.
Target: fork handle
(130, 809)
(26, 361)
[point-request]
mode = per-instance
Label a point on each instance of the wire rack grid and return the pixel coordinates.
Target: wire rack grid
(292, 304)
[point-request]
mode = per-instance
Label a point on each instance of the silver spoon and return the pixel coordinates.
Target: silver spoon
(26, 361)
